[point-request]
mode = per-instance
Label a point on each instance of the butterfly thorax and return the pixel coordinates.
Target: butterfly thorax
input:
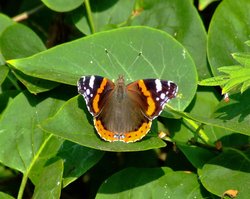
(120, 89)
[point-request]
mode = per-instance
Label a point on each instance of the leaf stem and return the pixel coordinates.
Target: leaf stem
(90, 18)
(26, 174)
(26, 14)
(198, 129)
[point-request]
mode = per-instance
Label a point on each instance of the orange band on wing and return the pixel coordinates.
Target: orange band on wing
(137, 135)
(151, 104)
(126, 136)
(97, 96)
(104, 134)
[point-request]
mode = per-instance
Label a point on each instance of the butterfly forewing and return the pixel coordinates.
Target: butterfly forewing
(95, 90)
(156, 94)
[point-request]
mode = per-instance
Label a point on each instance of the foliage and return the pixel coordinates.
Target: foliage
(47, 135)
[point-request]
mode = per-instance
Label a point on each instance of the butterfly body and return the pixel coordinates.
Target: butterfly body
(124, 112)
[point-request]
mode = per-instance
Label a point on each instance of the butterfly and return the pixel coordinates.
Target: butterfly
(125, 112)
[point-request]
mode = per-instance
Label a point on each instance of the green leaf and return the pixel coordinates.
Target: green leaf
(5, 98)
(196, 155)
(204, 3)
(34, 85)
(26, 43)
(150, 53)
(19, 134)
(178, 18)
(228, 171)
(74, 123)
(5, 196)
(245, 86)
(215, 81)
(232, 115)
(182, 132)
(50, 182)
(227, 33)
(150, 183)
(5, 21)
(242, 58)
(236, 76)
(62, 6)
(78, 160)
(4, 70)
(107, 14)
(181, 20)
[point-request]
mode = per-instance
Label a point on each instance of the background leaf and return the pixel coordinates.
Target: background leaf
(107, 14)
(50, 182)
(231, 116)
(26, 43)
(227, 33)
(150, 183)
(3, 73)
(19, 132)
(62, 6)
(216, 173)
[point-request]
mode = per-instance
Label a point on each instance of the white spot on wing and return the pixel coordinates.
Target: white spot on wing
(163, 95)
(158, 85)
(91, 81)
(88, 91)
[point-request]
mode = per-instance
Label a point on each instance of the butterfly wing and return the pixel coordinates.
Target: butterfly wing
(95, 90)
(154, 94)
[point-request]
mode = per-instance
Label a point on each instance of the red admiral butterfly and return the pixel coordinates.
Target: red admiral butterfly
(125, 113)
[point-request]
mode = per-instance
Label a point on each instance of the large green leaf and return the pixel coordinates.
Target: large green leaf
(150, 183)
(20, 135)
(62, 6)
(26, 43)
(181, 20)
(177, 17)
(136, 52)
(77, 159)
(228, 171)
(228, 31)
(73, 122)
(50, 182)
